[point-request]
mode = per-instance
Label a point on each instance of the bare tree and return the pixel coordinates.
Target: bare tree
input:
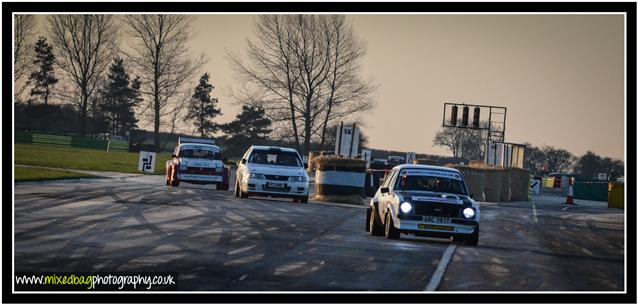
(463, 142)
(271, 68)
(305, 75)
(159, 51)
(346, 92)
(23, 33)
(85, 44)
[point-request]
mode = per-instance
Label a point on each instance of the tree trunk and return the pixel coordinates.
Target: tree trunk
(85, 101)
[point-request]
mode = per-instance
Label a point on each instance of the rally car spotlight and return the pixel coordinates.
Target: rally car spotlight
(468, 212)
(406, 207)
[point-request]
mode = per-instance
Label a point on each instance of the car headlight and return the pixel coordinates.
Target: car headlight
(468, 212)
(257, 176)
(406, 207)
(297, 178)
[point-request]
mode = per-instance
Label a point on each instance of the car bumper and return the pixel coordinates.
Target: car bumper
(198, 178)
(457, 226)
(260, 187)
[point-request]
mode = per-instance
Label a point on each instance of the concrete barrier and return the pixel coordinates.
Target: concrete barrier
(340, 179)
(520, 183)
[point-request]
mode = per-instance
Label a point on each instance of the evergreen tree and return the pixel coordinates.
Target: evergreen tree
(43, 79)
(119, 96)
(201, 108)
(250, 123)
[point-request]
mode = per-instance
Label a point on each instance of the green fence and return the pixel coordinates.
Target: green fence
(81, 142)
(591, 190)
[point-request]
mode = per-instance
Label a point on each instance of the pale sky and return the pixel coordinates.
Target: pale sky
(561, 77)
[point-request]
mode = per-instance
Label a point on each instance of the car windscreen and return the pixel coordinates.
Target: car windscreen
(200, 153)
(281, 158)
(430, 184)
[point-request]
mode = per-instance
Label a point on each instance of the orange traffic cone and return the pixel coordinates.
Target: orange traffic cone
(570, 195)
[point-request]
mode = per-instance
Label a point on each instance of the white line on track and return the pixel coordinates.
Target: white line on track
(437, 277)
(534, 212)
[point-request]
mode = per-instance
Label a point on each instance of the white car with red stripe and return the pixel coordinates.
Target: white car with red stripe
(197, 161)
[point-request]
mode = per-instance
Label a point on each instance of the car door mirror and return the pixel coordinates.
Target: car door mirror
(243, 161)
(385, 189)
(174, 156)
(225, 160)
(472, 196)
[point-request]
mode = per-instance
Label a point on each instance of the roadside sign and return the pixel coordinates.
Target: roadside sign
(146, 162)
(366, 154)
(347, 144)
(409, 157)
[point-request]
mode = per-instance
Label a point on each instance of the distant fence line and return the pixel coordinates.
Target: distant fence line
(71, 141)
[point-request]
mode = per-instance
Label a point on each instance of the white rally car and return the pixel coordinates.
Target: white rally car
(424, 200)
(197, 161)
(272, 171)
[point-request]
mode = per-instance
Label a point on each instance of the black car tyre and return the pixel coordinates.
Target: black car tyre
(237, 190)
(390, 231)
(374, 225)
(473, 239)
(174, 182)
(303, 199)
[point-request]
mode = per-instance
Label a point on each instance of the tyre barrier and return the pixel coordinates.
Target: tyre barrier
(340, 179)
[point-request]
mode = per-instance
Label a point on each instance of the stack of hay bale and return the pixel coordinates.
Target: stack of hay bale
(475, 181)
(490, 183)
(339, 179)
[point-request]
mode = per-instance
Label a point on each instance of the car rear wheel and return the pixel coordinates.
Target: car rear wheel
(390, 231)
(373, 224)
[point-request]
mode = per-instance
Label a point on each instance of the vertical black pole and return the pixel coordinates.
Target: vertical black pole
(339, 135)
(489, 134)
(354, 125)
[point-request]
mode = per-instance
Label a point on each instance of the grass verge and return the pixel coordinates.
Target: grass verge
(81, 158)
(40, 174)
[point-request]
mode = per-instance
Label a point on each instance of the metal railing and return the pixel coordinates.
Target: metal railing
(70, 141)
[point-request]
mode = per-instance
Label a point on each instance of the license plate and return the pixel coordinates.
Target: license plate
(276, 185)
(438, 220)
(435, 227)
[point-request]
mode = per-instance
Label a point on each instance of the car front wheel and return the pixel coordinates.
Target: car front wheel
(373, 224)
(237, 190)
(390, 231)
(473, 239)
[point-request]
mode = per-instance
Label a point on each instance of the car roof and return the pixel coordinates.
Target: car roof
(423, 166)
(287, 149)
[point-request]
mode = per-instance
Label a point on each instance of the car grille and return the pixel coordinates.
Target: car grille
(275, 189)
(277, 177)
(437, 209)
